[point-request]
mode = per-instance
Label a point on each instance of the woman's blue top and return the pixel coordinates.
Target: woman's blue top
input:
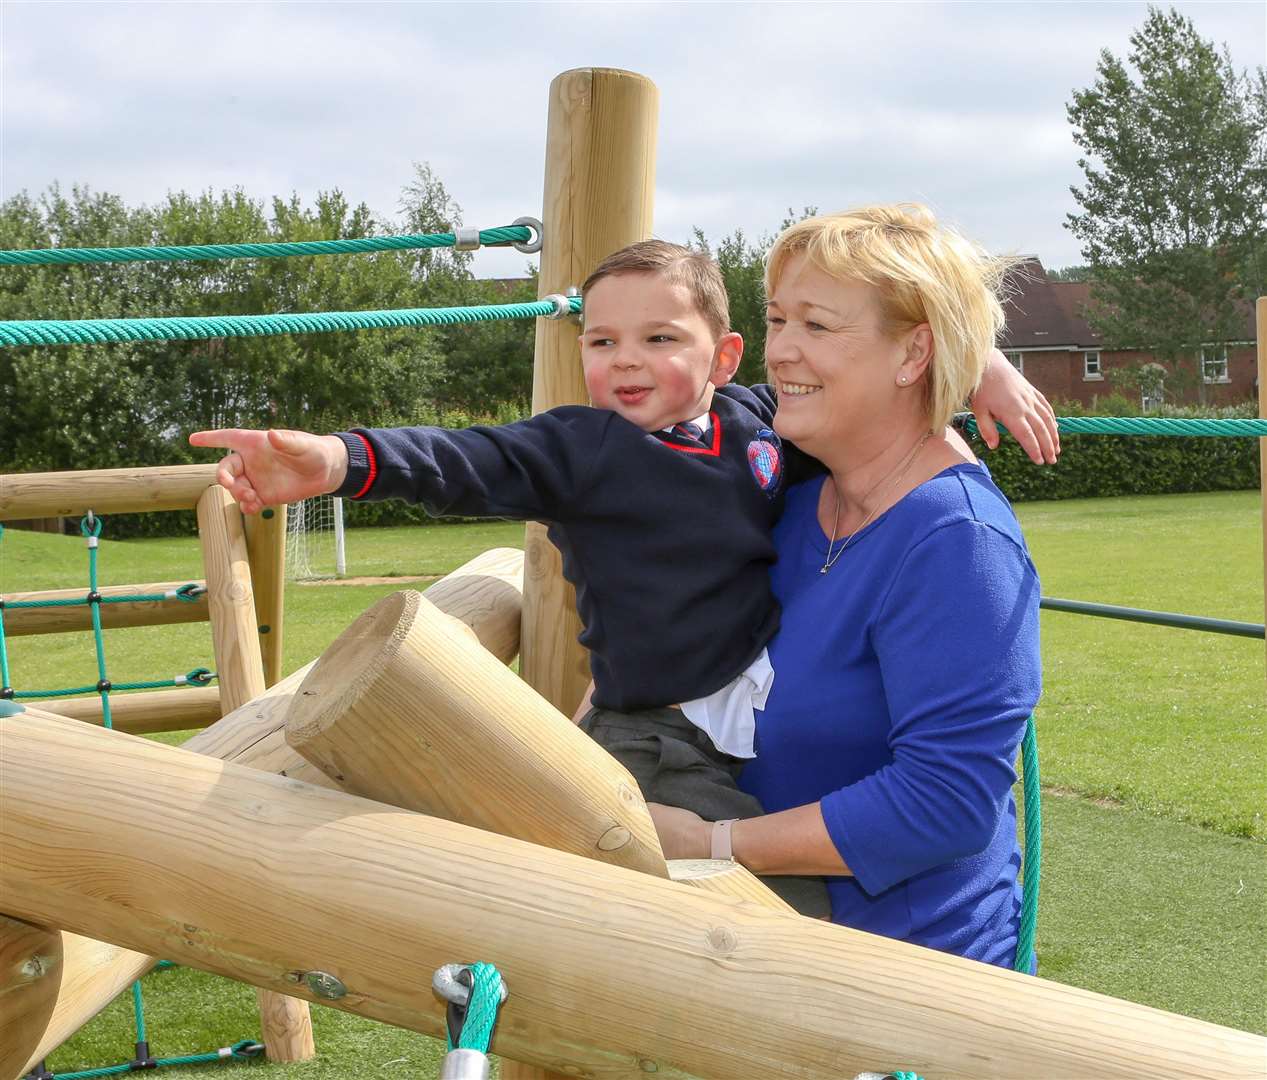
(903, 680)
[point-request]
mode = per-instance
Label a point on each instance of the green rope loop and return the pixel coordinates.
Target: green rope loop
(1145, 425)
(506, 234)
(481, 1009)
(89, 525)
(1033, 858)
(87, 331)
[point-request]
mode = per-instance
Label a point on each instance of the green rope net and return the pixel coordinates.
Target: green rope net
(89, 331)
(90, 529)
(499, 237)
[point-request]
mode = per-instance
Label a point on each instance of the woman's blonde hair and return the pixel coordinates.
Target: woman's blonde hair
(924, 273)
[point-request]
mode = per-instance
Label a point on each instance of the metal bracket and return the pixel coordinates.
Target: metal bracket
(532, 245)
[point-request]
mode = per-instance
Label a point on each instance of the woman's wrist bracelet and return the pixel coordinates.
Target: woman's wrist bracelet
(720, 840)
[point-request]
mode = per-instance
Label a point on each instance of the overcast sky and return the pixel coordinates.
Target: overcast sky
(763, 106)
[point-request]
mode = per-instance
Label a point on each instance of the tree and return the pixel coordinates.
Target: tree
(1172, 221)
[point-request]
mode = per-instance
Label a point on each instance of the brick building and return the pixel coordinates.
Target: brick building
(1049, 340)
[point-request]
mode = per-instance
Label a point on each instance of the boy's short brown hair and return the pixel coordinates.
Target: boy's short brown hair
(680, 266)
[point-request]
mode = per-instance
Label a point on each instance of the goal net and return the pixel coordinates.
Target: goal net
(314, 539)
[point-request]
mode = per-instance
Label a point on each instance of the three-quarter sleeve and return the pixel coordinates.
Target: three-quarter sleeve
(956, 638)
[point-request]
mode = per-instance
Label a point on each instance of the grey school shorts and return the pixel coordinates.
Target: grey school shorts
(676, 763)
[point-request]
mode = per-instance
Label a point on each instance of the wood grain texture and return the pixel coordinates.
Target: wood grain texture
(285, 1027)
(30, 977)
(599, 192)
(484, 593)
(231, 599)
(57, 620)
(266, 552)
(145, 713)
(612, 973)
(404, 710)
(103, 491)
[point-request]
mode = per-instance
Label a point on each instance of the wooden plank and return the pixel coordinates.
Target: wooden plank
(103, 491)
(266, 549)
(56, 620)
(612, 973)
(599, 191)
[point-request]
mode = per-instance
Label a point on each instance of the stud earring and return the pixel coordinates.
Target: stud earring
(902, 380)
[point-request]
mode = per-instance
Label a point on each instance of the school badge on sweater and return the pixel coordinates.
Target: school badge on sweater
(765, 459)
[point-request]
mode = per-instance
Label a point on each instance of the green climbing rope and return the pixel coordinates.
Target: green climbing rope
(86, 331)
(481, 1009)
(90, 528)
(506, 234)
(243, 1050)
(1032, 869)
(1144, 425)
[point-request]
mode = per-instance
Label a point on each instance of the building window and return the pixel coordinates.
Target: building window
(1214, 364)
(1017, 360)
(1091, 364)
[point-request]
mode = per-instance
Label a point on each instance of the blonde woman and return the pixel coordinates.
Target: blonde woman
(908, 656)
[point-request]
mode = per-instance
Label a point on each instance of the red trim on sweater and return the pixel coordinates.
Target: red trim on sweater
(373, 464)
(711, 451)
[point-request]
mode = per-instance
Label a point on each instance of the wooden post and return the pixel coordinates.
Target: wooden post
(612, 973)
(406, 707)
(285, 1024)
(266, 548)
(1261, 334)
(485, 593)
(599, 188)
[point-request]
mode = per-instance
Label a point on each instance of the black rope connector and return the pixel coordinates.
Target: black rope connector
(6, 693)
(144, 1059)
(94, 597)
(103, 686)
(40, 1072)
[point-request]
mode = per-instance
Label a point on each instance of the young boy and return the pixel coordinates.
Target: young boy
(660, 497)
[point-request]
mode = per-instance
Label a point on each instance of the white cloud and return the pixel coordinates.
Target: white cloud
(763, 106)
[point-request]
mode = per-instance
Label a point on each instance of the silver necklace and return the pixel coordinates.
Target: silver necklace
(901, 472)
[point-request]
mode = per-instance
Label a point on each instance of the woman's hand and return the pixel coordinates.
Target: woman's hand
(265, 468)
(683, 834)
(1005, 395)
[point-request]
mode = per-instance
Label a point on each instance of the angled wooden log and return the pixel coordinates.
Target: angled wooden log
(612, 973)
(144, 713)
(485, 594)
(404, 709)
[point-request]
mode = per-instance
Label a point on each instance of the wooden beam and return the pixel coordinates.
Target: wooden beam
(30, 976)
(103, 491)
(612, 973)
(408, 708)
(150, 711)
(484, 593)
(599, 190)
(56, 620)
(266, 549)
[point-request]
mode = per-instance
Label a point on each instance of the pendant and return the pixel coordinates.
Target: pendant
(824, 570)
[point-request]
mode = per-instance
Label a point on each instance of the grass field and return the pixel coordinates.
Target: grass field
(1153, 757)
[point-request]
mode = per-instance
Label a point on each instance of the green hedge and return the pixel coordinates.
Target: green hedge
(1096, 466)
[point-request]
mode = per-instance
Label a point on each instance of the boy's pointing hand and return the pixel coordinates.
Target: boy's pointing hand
(266, 468)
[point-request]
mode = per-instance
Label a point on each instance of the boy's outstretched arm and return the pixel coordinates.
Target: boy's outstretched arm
(264, 468)
(1006, 396)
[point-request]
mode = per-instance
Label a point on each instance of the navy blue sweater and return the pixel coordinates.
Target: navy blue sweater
(666, 539)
